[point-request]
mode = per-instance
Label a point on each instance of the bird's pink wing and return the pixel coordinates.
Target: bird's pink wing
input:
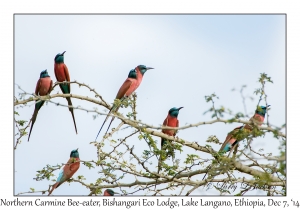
(177, 125)
(124, 88)
(164, 131)
(55, 71)
(165, 124)
(70, 168)
(229, 138)
(67, 75)
(38, 86)
(50, 88)
(74, 165)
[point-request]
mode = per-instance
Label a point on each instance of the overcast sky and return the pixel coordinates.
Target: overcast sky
(193, 56)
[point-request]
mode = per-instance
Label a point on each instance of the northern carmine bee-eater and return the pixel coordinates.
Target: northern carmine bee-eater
(62, 75)
(132, 82)
(170, 121)
(258, 118)
(109, 192)
(68, 170)
(43, 87)
(231, 142)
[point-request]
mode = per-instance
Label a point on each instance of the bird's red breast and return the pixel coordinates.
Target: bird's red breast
(259, 119)
(139, 78)
(43, 86)
(171, 122)
(61, 72)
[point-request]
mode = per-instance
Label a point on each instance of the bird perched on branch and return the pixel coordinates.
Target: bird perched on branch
(43, 87)
(170, 121)
(68, 170)
(109, 192)
(258, 118)
(132, 82)
(62, 75)
(231, 142)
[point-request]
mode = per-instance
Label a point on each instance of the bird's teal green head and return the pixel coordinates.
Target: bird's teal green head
(111, 192)
(44, 74)
(59, 58)
(261, 110)
(174, 111)
(143, 68)
(74, 153)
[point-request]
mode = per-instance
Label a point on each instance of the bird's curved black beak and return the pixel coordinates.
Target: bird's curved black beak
(149, 68)
(180, 108)
(268, 105)
(77, 149)
(116, 193)
(63, 53)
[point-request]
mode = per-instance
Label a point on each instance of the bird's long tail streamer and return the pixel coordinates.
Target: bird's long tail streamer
(103, 124)
(114, 108)
(34, 116)
(53, 187)
(72, 112)
(33, 121)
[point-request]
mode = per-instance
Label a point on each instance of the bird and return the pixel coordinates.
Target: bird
(258, 118)
(43, 87)
(109, 192)
(132, 82)
(231, 142)
(170, 121)
(62, 74)
(68, 170)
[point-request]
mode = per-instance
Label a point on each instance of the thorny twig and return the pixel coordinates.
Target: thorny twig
(182, 177)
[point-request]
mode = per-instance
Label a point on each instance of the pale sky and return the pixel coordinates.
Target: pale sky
(193, 56)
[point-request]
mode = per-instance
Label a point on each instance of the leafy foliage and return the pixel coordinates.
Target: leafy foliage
(117, 158)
